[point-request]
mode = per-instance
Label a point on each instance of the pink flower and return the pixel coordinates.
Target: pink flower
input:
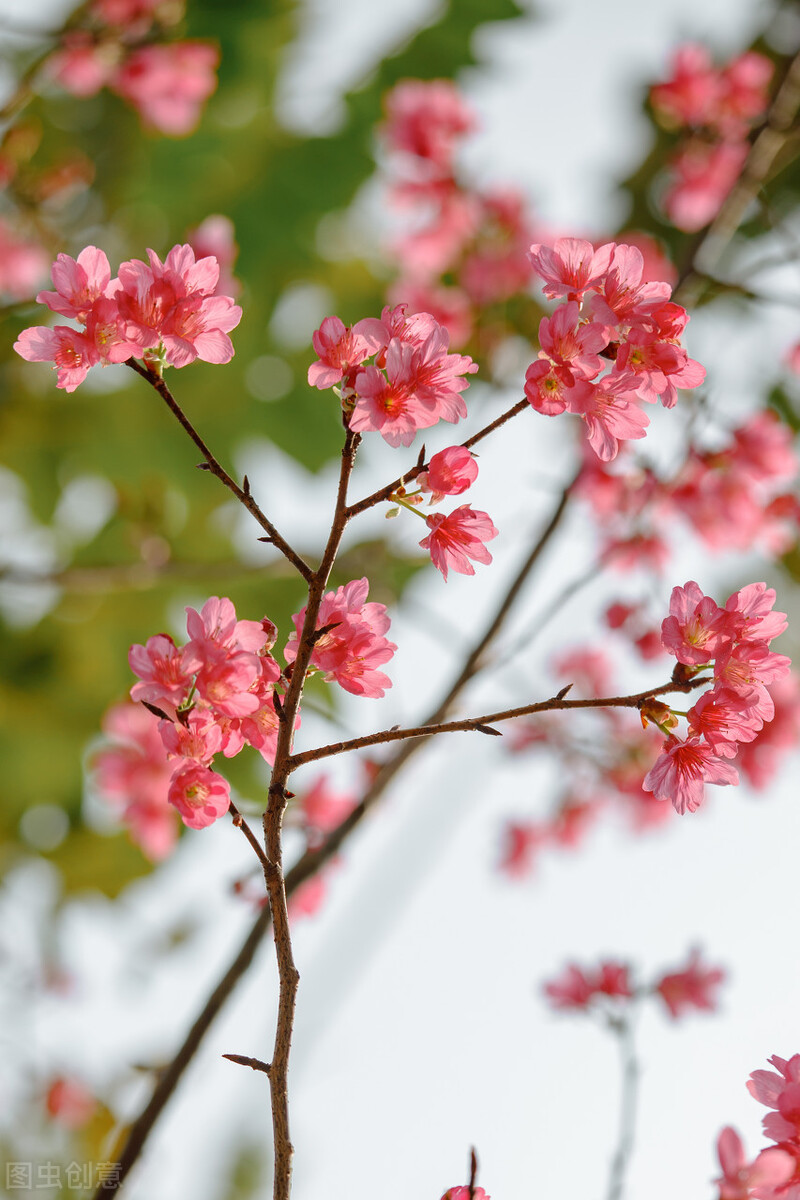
(457, 538)
(70, 1103)
(611, 414)
(71, 352)
(693, 987)
(133, 774)
(724, 718)
(23, 263)
(199, 794)
(704, 175)
(341, 350)
(165, 673)
(681, 771)
(78, 283)
(691, 96)
(321, 809)
(168, 83)
(82, 65)
(521, 840)
(739, 1178)
(577, 988)
(462, 1193)
(174, 303)
(697, 629)
(450, 472)
(570, 267)
(349, 652)
(422, 385)
(760, 759)
(215, 238)
(425, 121)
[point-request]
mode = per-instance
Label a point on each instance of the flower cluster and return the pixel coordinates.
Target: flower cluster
(774, 1174)
(165, 312)
(692, 987)
(767, 1177)
(779, 1090)
(732, 496)
(630, 324)
(719, 105)
(350, 645)
(462, 535)
(166, 82)
(214, 694)
(412, 383)
(477, 239)
(734, 643)
(132, 772)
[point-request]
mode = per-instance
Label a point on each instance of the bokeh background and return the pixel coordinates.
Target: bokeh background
(421, 1028)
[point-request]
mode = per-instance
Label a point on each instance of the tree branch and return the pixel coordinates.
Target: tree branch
(385, 492)
(764, 152)
(479, 724)
(242, 494)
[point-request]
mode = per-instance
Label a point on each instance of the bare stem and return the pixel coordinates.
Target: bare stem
(211, 464)
(623, 1029)
(484, 724)
(240, 823)
(288, 975)
(385, 492)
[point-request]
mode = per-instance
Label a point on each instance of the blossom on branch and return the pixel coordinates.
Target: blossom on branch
(350, 646)
(457, 538)
(610, 316)
(164, 312)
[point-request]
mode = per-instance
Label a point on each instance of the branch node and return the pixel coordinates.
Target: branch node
(487, 729)
(246, 485)
(560, 695)
(203, 466)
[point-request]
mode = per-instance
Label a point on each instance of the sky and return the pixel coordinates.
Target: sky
(421, 1028)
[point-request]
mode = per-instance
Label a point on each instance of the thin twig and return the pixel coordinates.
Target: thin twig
(243, 495)
(243, 1060)
(385, 492)
(473, 1172)
(240, 823)
(623, 1029)
(288, 975)
(478, 724)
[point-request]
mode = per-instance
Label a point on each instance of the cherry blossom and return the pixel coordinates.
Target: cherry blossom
(200, 795)
(693, 987)
(457, 538)
(352, 646)
(740, 1178)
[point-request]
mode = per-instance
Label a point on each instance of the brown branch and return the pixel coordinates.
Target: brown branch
(288, 975)
(764, 152)
(240, 823)
(243, 1060)
(314, 859)
(211, 464)
(384, 493)
(477, 724)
